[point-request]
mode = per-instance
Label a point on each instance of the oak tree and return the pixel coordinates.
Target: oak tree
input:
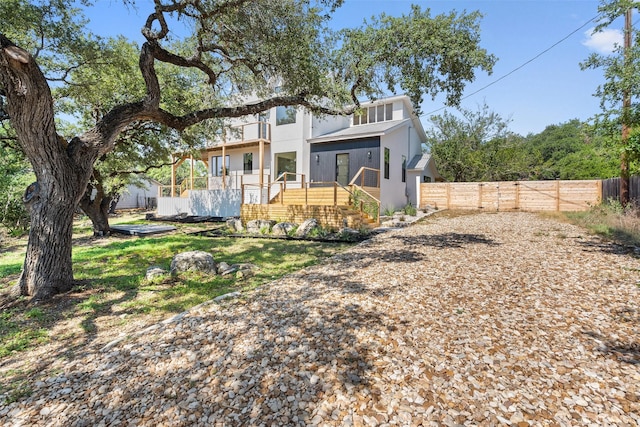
(238, 48)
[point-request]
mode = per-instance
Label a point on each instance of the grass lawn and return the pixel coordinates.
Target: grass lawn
(112, 295)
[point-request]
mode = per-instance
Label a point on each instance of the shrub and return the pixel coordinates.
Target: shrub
(410, 210)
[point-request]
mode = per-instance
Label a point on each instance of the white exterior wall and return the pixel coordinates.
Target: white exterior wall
(134, 197)
(327, 124)
(288, 138)
(392, 190)
(221, 203)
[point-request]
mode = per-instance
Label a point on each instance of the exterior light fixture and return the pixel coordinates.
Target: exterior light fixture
(369, 155)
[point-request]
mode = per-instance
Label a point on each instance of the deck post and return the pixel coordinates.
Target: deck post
(173, 177)
(224, 163)
(191, 172)
(261, 162)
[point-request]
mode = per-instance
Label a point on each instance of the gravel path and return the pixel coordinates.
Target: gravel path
(487, 319)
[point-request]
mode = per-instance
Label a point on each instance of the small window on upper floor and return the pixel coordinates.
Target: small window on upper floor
(379, 113)
(285, 115)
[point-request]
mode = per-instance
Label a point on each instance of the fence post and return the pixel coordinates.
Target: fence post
(517, 184)
(557, 196)
(480, 195)
(448, 187)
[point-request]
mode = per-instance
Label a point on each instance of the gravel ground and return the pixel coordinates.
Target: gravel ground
(487, 319)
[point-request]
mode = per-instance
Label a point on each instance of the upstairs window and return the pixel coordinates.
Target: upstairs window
(285, 115)
(379, 113)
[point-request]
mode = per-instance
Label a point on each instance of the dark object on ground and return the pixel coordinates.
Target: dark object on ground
(185, 219)
(141, 229)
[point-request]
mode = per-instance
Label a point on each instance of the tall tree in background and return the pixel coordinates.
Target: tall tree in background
(239, 48)
(475, 146)
(619, 94)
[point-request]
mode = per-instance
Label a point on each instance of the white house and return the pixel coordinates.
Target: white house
(379, 148)
(141, 195)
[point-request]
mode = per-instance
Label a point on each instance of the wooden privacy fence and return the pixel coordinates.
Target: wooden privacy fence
(611, 189)
(532, 196)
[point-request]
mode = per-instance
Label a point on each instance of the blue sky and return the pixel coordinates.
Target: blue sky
(550, 90)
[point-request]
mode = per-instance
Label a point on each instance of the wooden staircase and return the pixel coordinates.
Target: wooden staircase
(334, 197)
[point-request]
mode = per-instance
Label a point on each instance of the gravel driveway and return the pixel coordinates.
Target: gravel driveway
(486, 319)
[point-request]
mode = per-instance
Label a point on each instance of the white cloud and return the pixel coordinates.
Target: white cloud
(604, 41)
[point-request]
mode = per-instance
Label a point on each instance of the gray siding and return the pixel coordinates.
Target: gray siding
(323, 159)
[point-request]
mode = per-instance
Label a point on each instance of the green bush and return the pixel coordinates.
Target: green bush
(410, 210)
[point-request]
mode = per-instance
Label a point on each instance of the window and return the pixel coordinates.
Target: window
(263, 127)
(285, 162)
(285, 115)
(216, 165)
(387, 157)
(380, 113)
(372, 115)
(426, 178)
(247, 160)
(404, 168)
(360, 118)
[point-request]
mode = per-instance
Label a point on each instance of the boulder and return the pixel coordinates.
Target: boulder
(306, 227)
(260, 226)
(193, 261)
(235, 225)
(282, 228)
(155, 271)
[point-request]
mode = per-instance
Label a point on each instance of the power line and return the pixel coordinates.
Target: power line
(521, 66)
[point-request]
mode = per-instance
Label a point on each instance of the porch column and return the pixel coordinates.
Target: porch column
(224, 164)
(173, 177)
(261, 162)
(191, 176)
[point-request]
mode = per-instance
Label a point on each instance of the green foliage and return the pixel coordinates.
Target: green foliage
(410, 210)
(417, 53)
(369, 205)
(15, 176)
(611, 220)
(388, 211)
(571, 150)
(475, 146)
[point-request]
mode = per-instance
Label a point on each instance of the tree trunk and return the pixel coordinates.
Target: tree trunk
(62, 171)
(96, 204)
(47, 268)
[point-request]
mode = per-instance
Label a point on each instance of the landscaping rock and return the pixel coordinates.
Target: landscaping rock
(306, 227)
(193, 261)
(235, 225)
(155, 271)
(260, 226)
(283, 228)
(223, 268)
(244, 270)
(348, 231)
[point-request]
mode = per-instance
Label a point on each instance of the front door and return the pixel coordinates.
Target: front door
(342, 168)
